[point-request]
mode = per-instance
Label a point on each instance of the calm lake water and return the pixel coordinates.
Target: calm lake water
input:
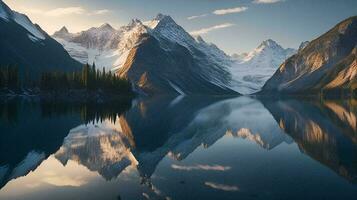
(179, 148)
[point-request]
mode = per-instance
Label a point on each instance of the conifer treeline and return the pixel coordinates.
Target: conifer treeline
(88, 78)
(9, 77)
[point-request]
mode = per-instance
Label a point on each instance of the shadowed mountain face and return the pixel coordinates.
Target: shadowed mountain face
(164, 67)
(326, 132)
(168, 60)
(326, 64)
(27, 45)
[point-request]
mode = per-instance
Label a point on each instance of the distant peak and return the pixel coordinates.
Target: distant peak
(160, 16)
(134, 22)
(163, 18)
(303, 45)
(269, 42)
(106, 26)
(64, 30)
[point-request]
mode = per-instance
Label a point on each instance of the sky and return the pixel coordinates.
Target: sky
(235, 26)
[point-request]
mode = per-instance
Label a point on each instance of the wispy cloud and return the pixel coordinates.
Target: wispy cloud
(197, 16)
(101, 12)
(59, 12)
(201, 167)
(217, 186)
(212, 28)
(266, 1)
(65, 11)
(230, 10)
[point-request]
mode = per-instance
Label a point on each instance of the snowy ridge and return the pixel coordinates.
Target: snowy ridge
(25, 22)
(4, 11)
(103, 45)
(109, 48)
(9, 15)
(251, 70)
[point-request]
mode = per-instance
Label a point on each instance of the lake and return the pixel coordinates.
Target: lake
(179, 148)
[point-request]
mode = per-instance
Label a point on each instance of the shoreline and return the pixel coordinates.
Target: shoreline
(71, 96)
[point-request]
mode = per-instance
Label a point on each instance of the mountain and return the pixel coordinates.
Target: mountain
(27, 45)
(303, 45)
(326, 64)
(251, 70)
(168, 60)
(158, 56)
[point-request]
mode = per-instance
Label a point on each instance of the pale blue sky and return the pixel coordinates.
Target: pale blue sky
(238, 25)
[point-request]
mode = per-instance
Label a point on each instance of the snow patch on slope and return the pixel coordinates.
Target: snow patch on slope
(28, 25)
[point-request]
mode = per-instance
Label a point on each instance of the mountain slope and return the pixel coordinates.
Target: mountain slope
(158, 56)
(27, 45)
(251, 70)
(103, 45)
(326, 64)
(168, 60)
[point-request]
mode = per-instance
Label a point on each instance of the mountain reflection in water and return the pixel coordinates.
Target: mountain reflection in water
(179, 148)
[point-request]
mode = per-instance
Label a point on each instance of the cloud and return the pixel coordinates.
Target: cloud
(59, 12)
(230, 10)
(197, 16)
(101, 12)
(212, 28)
(266, 1)
(217, 186)
(65, 11)
(201, 167)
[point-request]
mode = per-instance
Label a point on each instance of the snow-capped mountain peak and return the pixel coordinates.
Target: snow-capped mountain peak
(251, 70)
(62, 33)
(106, 26)
(63, 30)
(269, 43)
(159, 19)
(111, 49)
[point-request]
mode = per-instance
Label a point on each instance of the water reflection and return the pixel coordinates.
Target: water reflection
(32, 131)
(325, 131)
(179, 148)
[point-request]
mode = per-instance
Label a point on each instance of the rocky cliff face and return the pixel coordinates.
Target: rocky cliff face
(326, 64)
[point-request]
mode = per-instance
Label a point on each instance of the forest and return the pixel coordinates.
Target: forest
(89, 78)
